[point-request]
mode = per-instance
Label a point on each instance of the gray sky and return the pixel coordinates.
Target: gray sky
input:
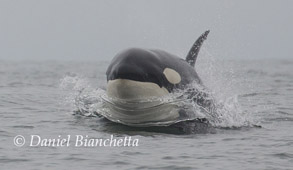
(98, 29)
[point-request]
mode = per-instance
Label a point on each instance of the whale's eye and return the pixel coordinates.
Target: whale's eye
(172, 76)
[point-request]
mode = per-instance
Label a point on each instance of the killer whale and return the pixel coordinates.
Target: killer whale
(154, 67)
(137, 74)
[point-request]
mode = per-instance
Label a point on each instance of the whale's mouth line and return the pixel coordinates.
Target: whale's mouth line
(140, 105)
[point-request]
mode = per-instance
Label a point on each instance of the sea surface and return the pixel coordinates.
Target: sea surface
(58, 99)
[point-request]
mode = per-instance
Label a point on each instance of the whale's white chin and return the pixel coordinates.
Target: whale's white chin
(139, 103)
(134, 90)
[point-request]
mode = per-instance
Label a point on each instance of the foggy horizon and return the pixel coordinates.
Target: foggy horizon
(97, 30)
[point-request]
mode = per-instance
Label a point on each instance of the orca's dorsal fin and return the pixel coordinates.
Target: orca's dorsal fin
(193, 52)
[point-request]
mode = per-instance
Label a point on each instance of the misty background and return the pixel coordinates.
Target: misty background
(97, 30)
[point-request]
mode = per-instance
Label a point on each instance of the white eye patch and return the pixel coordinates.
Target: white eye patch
(172, 76)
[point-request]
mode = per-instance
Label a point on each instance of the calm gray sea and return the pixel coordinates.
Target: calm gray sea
(40, 98)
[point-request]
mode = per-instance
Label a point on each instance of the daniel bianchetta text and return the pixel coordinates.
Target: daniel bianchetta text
(76, 141)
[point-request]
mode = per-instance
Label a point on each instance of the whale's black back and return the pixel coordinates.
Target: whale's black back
(148, 66)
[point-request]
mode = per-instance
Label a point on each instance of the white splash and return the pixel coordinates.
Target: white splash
(81, 96)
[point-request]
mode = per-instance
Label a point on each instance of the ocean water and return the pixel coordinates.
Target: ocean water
(58, 99)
